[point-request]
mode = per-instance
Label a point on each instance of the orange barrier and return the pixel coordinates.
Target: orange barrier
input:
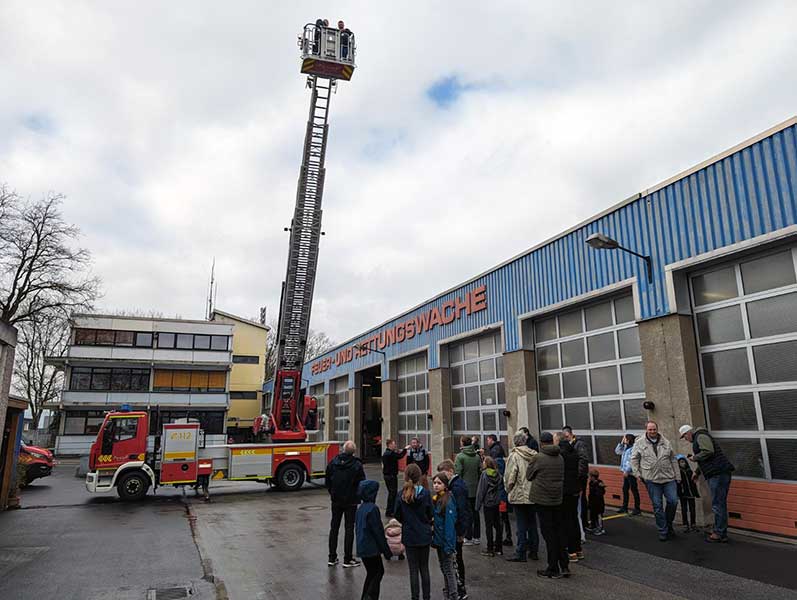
(761, 506)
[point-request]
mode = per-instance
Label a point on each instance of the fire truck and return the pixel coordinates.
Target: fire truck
(125, 458)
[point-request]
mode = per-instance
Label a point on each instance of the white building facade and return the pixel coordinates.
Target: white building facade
(173, 368)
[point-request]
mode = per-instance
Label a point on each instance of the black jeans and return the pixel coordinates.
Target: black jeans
(460, 565)
(583, 501)
(347, 514)
(492, 522)
(630, 482)
(687, 509)
(391, 483)
(570, 518)
(374, 570)
(553, 531)
(418, 563)
(475, 526)
(507, 526)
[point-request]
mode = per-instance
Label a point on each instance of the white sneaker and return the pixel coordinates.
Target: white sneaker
(476, 541)
(467, 543)
(351, 563)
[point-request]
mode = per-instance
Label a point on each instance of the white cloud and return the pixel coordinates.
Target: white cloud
(176, 132)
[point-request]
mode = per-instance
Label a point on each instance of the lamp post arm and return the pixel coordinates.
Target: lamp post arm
(648, 261)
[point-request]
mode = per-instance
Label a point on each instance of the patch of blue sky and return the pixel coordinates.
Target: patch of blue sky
(39, 123)
(447, 90)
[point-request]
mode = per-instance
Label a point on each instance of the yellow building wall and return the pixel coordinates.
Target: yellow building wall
(247, 340)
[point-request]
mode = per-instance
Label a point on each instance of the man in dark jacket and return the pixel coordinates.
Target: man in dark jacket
(531, 442)
(417, 454)
(570, 500)
(343, 476)
(580, 446)
(371, 541)
(717, 469)
(546, 472)
(390, 460)
(459, 491)
(494, 448)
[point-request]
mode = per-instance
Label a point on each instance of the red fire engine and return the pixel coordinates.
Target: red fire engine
(125, 458)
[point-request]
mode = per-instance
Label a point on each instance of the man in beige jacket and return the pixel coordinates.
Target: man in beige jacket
(518, 490)
(653, 462)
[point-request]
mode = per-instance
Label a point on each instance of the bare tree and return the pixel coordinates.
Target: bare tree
(318, 342)
(46, 334)
(41, 269)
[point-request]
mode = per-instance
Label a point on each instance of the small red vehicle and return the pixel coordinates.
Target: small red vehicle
(38, 462)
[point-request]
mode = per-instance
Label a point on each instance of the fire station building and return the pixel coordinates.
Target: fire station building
(578, 333)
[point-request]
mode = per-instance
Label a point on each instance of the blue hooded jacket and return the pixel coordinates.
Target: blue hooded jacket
(445, 535)
(415, 517)
(625, 457)
(370, 533)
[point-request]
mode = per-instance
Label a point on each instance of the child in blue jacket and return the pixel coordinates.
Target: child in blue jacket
(445, 534)
(371, 542)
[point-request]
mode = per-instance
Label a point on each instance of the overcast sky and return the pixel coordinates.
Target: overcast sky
(467, 134)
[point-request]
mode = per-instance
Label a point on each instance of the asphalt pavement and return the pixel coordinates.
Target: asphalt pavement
(251, 542)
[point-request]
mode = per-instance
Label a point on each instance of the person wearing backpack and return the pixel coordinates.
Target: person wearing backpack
(488, 499)
(371, 542)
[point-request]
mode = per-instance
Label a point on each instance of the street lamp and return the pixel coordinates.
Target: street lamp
(600, 241)
(365, 348)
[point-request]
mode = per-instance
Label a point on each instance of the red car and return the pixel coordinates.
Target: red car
(38, 461)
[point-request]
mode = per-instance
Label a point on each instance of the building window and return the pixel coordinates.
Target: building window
(745, 317)
(83, 422)
(168, 380)
(413, 398)
(243, 395)
(219, 342)
(340, 403)
(190, 341)
(477, 387)
(103, 379)
(589, 374)
(244, 359)
(111, 337)
(210, 421)
(143, 340)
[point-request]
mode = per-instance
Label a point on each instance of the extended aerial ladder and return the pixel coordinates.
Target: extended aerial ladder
(327, 55)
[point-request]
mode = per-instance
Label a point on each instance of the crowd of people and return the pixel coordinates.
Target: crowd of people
(547, 484)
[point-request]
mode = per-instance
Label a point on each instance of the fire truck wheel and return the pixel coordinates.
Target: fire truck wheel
(290, 478)
(132, 486)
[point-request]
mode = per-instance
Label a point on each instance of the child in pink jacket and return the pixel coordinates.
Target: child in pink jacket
(393, 535)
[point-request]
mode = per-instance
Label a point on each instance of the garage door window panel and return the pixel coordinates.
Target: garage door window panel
(720, 326)
(768, 272)
(776, 315)
(732, 412)
(779, 409)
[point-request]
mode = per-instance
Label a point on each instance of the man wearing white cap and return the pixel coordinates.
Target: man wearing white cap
(717, 469)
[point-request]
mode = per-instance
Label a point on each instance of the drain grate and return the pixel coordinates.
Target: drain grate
(170, 593)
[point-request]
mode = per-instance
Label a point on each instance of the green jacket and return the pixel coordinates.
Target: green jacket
(546, 472)
(468, 466)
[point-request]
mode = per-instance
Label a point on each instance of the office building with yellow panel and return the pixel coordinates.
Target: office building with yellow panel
(247, 374)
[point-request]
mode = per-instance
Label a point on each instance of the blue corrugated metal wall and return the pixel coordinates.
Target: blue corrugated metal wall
(746, 194)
